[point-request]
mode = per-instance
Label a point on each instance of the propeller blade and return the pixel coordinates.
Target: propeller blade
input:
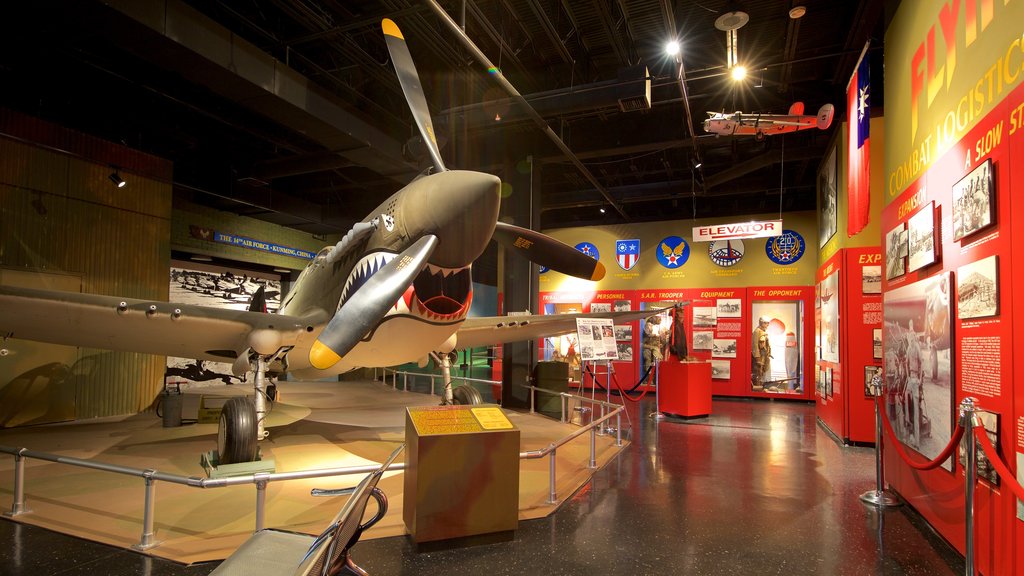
(369, 304)
(405, 68)
(546, 251)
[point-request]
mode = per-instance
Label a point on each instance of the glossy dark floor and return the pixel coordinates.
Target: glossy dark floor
(757, 488)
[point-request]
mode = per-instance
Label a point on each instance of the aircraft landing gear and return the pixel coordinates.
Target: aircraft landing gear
(464, 394)
(241, 424)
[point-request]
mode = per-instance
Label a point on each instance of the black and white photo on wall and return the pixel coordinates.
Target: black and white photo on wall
(723, 348)
(827, 199)
(921, 238)
(625, 351)
(828, 382)
(977, 288)
(703, 340)
(974, 201)
(872, 378)
(705, 316)
(919, 363)
(990, 420)
(871, 279)
(876, 343)
(728, 307)
(896, 252)
(624, 332)
(600, 307)
(721, 370)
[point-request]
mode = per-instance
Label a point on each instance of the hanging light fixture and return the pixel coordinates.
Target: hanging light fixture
(116, 179)
(729, 22)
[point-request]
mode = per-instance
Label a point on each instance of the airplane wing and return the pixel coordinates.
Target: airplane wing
(484, 331)
(152, 327)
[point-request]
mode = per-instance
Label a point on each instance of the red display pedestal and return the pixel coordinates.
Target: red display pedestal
(684, 388)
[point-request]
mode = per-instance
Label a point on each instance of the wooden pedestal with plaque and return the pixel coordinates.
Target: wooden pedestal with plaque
(461, 476)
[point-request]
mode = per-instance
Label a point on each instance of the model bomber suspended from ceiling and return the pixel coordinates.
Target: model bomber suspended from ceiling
(761, 125)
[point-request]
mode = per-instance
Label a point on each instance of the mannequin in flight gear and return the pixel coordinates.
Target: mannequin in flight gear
(761, 352)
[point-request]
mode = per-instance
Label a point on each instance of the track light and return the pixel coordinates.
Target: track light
(116, 179)
(672, 48)
(602, 210)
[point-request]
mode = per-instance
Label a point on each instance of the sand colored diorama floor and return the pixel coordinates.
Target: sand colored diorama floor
(315, 425)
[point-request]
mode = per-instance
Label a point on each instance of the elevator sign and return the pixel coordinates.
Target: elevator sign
(737, 231)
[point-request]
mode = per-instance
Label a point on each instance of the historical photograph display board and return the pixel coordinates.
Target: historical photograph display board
(600, 307)
(723, 348)
(977, 288)
(721, 370)
(597, 339)
(830, 318)
(876, 343)
(705, 316)
(921, 238)
(729, 307)
(973, 201)
(624, 332)
(703, 340)
(896, 252)
(919, 364)
(870, 375)
(827, 199)
(871, 279)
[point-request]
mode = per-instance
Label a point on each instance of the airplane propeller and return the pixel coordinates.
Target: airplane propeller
(369, 304)
(411, 87)
(546, 251)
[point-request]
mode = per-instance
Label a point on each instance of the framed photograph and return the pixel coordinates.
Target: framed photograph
(896, 252)
(918, 334)
(876, 343)
(871, 279)
(705, 316)
(973, 201)
(830, 318)
(723, 348)
(729, 307)
(921, 238)
(985, 469)
(721, 370)
(625, 351)
(703, 340)
(624, 332)
(600, 307)
(821, 381)
(870, 373)
(828, 208)
(817, 296)
(622, 306)
(977, 288)
(828, 382)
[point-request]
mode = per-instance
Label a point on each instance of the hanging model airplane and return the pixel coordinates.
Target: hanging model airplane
(761, 125)
(396, 289)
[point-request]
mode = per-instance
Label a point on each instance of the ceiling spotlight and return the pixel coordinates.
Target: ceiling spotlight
(602, 210)
(698, 164)
(283, 270)
(200, 258)
(739, 73)
(116, 179)
(672, 48)
(797, 12)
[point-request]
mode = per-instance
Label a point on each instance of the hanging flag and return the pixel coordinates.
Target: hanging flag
(858, 106)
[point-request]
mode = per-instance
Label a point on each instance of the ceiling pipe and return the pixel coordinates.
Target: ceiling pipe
(500, 78)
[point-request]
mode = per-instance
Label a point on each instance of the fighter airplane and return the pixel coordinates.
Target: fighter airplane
(396, 289)
(761, 125)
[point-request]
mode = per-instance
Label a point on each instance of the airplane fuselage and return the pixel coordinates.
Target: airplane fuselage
(460, 208)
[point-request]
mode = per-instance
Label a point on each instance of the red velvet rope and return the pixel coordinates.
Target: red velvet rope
(958, 433)
(1001, 468)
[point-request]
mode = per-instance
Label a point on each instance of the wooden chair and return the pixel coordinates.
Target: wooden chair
(281, 553)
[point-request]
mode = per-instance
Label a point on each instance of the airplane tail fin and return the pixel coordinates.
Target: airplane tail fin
(258, 303)
(797, 109)
(825, 116)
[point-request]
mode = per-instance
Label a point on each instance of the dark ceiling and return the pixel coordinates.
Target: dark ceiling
(289, 111)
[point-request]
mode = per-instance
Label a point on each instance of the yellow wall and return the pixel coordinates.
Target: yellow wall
(755, 269)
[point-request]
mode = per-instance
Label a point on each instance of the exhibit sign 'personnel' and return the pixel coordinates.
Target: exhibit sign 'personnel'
(761, 350)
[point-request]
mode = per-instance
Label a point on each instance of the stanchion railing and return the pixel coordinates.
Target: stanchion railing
(262, 479)
(879, 496)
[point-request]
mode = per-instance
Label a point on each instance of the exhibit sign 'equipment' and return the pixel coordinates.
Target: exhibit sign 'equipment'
(761, 125)
(396, 289)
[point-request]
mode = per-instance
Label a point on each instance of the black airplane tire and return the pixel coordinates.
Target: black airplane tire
(466, 395)
(236, 433)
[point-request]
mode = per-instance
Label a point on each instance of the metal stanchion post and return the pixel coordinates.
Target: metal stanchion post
(657, 415)
(552, 495)
(879, 497)
(261, 502)
(967, 408)
(146, 542)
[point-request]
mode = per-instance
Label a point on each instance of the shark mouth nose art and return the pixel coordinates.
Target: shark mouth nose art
(362, 271)
(441, 293)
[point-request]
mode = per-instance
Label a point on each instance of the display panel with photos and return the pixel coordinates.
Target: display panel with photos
(977, 288)
(918, 364)
(827, 199)
(703, 340)
(870, 375)
(896, 252)
(921, 249)
(973, 201)
(723, 348)
(871, 279)
(987, 472)
(830, 318)
(705, 316)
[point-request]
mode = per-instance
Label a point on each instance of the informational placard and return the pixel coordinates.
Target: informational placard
(596, 339)
(492, 418)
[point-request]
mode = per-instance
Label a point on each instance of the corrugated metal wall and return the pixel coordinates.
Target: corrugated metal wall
(59, 212)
